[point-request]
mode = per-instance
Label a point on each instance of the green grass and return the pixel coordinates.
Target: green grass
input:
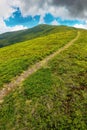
(10, 38)
(16, 58)
(54, 98)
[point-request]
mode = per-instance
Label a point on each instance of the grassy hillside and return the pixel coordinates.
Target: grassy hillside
(54, 98)
(28, 34)
(18, 57)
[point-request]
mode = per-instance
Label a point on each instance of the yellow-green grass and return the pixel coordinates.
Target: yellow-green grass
(54, 98)
(16, 58)
(10, 38)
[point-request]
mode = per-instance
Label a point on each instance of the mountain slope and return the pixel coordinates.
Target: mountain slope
(28, 34)
(31, 70)
(53, 98)
(16, 58)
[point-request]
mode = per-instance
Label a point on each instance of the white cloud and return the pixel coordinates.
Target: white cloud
(41, 21)
(7, 7)
(84, 26)
(4, 28)
(54, 23)
(16, 28)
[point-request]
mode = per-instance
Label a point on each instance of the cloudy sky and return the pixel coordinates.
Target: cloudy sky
(22, 14)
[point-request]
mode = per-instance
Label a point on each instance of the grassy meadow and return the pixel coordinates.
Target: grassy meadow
(14, 59)
(55, 97)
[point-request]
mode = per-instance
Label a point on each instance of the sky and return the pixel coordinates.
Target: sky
(22, 14)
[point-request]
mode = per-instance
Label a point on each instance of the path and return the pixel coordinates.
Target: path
(7, 88)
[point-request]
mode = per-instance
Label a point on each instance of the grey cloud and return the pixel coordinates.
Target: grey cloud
(76, 8)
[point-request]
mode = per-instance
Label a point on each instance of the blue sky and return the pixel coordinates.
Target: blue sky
(18, 19)
(30, 21)
(17, 14)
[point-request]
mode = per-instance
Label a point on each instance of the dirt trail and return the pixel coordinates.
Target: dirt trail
(7, 88)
